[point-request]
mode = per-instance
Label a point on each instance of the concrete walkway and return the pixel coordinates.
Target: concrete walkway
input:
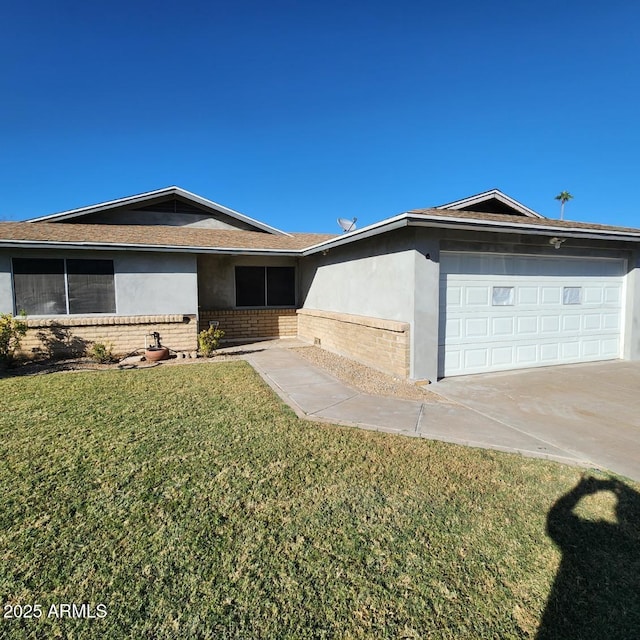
(314, 393)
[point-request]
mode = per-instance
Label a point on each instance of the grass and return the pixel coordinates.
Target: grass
(193, 504)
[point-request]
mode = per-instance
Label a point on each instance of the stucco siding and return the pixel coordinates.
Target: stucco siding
(156, 284)
(388, 278)
(6, 285)
(373, 278)
(631, 337)
(424, 343)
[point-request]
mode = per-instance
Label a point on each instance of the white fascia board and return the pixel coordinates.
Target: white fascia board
(544, 230)
(159, 193)
(99, 246)
(95, 208)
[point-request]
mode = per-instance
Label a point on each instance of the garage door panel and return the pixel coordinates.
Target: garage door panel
(476, 358)
(502, 326)
(570, 350)
(549, 352)
(454, 329)
(476, 296)
(527, 325)
(571, 323)
(509, 312)
(476, 328)
(550, 324)
(610, 347)
(551, 295)
(593, 295)
(612, 295)
(526, 355)
(592, 322)
(610, 321)
(591, 348)
(453, 296)
(527, 295)
(501, 356)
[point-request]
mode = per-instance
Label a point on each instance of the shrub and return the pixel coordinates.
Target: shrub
(11, 331)
(102, 353)
(208, 340)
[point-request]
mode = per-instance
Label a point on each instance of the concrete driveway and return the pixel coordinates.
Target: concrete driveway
(591, 411)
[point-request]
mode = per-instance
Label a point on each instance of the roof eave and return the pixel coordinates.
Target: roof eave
(545, 230)
(469, 224)
(101, 246)
(369, 231)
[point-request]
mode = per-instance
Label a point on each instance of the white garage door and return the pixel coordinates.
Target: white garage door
(500, 312)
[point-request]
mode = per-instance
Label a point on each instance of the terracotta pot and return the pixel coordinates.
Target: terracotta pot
(153, 354)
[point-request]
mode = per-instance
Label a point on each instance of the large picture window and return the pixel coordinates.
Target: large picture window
(265, 287)
(58, 287)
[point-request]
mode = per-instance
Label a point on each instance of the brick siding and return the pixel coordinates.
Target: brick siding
(381, 344)
(253, 324)
(73, 336)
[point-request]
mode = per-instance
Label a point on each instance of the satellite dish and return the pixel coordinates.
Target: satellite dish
(347, 225)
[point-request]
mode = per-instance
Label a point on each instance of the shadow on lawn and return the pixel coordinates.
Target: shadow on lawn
(596, 593)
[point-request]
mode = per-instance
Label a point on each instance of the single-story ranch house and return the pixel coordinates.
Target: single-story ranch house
(481, 284)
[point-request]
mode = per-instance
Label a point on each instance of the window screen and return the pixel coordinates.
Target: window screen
(56, 286)
(265, 286)
(250, 287)
(39, 286)
(91, 288)
(281, 286)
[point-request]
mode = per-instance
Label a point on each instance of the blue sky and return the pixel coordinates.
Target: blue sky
(296, 113)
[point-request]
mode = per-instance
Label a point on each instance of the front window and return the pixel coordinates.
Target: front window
(265, 287)
(58, 287)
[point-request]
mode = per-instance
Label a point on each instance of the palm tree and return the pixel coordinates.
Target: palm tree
(564, 197)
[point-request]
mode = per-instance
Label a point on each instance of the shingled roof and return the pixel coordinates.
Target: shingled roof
(152, 237)
(560, 225)
(206, 240)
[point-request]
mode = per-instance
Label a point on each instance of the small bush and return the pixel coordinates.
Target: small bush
(102, 353)
(208, 340)
(12, 330)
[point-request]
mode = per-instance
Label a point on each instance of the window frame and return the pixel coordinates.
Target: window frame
(568, 299)
(498, 300)
(65, 275)
(266, 304)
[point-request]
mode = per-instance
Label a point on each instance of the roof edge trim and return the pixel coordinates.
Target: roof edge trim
(140, 198)
(163, 248)
(486, 195)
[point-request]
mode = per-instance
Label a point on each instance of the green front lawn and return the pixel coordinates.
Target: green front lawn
(191, 503)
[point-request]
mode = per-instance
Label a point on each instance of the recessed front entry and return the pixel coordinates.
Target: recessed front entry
(500, 312)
